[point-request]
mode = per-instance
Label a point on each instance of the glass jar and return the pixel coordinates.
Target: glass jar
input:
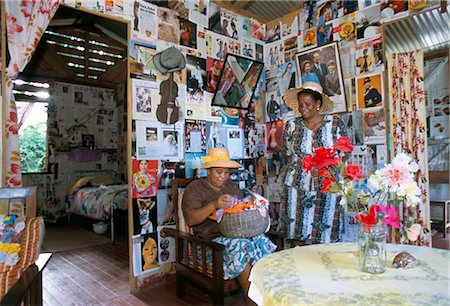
(372, 248)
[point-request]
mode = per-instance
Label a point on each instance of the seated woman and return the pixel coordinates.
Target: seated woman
(202, 197)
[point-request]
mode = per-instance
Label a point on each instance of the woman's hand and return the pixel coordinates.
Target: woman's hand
(224, 201)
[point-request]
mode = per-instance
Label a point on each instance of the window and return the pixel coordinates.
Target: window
(32, 124)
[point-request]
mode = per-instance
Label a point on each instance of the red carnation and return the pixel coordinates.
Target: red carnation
(309, 162)
(343, 144)
(353, 171)
(325, 158)
(326, 183)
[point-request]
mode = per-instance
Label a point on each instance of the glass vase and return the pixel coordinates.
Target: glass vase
(372, 248)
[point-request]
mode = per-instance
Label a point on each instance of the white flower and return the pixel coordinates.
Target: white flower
(401, 158)
(413, 232)
(411, 191)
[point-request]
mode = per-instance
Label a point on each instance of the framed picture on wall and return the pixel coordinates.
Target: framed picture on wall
(322, 66)
(237, 82)
(87, 141)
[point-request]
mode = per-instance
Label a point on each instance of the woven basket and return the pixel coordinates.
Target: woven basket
(245, 224)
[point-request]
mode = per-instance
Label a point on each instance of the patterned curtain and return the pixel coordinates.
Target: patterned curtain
(26, 21)
(408, 131)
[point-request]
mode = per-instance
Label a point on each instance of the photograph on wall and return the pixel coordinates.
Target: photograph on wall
(274, 165)
(195, 131)
(158, 141)
(286, 77)
(258, 29)
(145, 253)
(369, 91)
(166, 246)
(144, 21)
(353, 123)
(395, 9)
(250, 173)
(274, 132)
(235, 142)
(188, 33)
(196, 70)
(216, 135)
(170, 171)
(145, 99)
(321, 65)
(194, 165)
(272, 107)
(144, 62)
(229, 24)
(273, 55)
(213, 71)
(368, 24)
(237, 82)
(198, 11)
(374, 126)
(145, 178)
(273, 31)
(144, 215)
(168, 25)
(364, 58)
(248, 48)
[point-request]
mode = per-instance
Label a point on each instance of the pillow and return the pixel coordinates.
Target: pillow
(106, 179)
(85, 181)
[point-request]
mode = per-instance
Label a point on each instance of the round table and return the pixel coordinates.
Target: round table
(328, 274)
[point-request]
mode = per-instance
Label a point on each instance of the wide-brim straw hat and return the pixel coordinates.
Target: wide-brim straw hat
(219, 158)
(290, 97)
(169, 60)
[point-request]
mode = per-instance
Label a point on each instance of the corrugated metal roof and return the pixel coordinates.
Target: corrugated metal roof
(271, 10)
(429, 31)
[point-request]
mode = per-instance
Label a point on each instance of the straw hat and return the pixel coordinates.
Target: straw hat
(219, 158)
(169, 60)
(290, 97)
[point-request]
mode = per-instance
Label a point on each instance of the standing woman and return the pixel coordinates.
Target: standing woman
(306, 213)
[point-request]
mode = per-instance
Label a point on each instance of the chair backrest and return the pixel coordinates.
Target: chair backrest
(14, 199)
(177, 198)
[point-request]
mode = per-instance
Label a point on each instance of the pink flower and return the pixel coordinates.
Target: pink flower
(396, 175)
(391, 218)
(413, 232)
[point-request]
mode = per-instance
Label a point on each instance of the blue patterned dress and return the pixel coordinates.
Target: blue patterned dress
(306, 213)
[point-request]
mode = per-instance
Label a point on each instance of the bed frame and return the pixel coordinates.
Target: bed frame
(76, 175)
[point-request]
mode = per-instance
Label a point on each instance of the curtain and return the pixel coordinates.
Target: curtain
(407, 112)
(26, 22)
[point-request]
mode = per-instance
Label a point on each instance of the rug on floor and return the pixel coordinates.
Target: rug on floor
(69, 237)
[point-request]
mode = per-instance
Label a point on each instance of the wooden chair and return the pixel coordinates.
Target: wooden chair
(187, 267)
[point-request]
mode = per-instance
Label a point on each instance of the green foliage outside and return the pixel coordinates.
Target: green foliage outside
(33, 147)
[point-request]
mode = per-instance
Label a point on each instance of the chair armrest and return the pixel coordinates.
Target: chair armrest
(206, 242)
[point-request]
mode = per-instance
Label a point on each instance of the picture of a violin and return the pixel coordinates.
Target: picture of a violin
(168, 111)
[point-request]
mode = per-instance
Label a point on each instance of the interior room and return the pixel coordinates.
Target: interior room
(226, 152)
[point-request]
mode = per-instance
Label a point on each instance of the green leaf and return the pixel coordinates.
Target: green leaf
(334, 188)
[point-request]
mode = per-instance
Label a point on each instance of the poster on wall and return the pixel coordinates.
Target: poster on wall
(168, 25)
(322, 66)
(145, 99)
(145, 178)
(159, 141)
(235, 142)
(144, 215)
(369, 91)
(374, 126)
(195, 131)
(145, 253)
(166, 250)
(144, 21)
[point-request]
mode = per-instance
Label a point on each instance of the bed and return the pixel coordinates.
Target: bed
(96, 194)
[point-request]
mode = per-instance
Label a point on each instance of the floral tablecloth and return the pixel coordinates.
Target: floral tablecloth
(328, 274)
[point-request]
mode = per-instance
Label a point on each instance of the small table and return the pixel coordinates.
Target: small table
(328, 274)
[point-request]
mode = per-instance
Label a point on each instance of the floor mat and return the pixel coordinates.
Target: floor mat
(66, 237)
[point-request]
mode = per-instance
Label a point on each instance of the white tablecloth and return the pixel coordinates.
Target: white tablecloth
(329, 274)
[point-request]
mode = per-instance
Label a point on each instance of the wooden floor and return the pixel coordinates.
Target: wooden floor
(99, 276)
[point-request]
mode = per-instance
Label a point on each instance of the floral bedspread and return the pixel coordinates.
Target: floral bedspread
(96, 202)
